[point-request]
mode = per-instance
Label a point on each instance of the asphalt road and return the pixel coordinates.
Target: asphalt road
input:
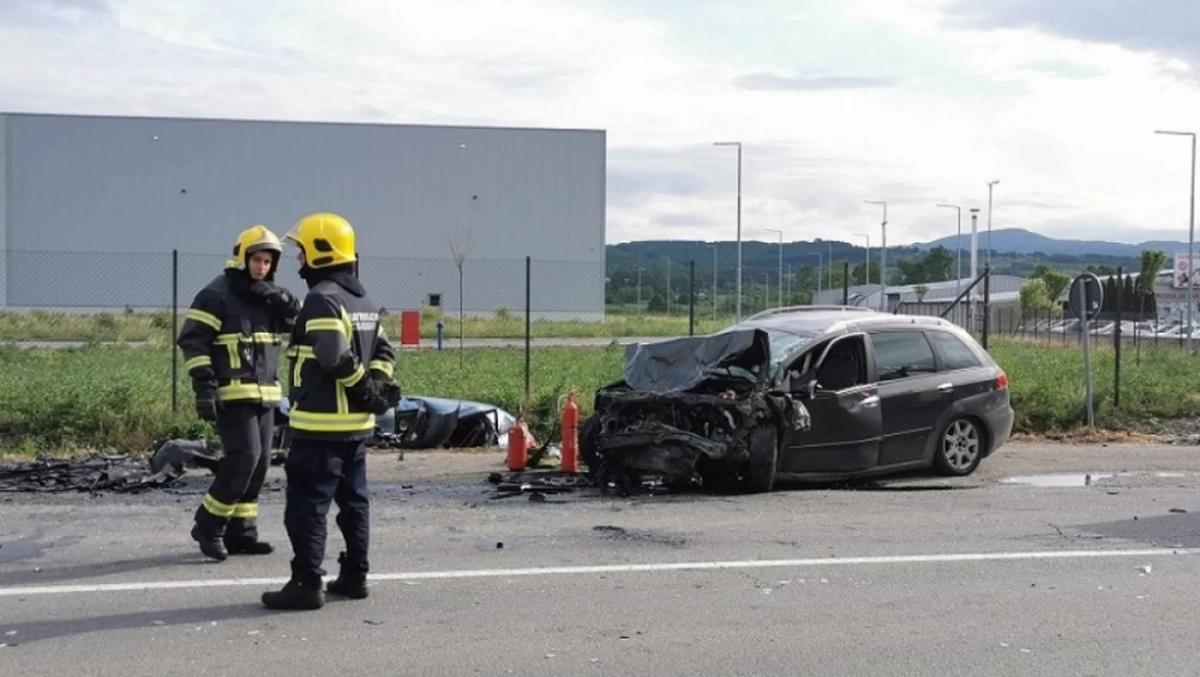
(426, 344)
(916, 576)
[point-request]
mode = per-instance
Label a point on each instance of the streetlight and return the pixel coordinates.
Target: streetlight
(958, 247)
(780, 232)
(867, 270)
(1191, 288)
(714, 248)
(739, 221)
(882, 256)
(989, 256)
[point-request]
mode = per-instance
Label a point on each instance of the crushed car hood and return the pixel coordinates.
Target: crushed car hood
(684, 363)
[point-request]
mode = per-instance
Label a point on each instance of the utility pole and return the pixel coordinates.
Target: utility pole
(739, 221)
(882, 256)
(1191, 287)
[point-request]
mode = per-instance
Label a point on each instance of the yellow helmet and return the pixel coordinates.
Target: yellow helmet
(327, 239)
(254, 239)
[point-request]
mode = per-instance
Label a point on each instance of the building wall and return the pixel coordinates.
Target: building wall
(97, 204)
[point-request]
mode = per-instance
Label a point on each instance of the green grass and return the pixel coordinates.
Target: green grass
(119, 399)
(156, 326)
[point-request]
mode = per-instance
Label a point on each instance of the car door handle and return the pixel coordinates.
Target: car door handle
(946, 387)
(872, 401)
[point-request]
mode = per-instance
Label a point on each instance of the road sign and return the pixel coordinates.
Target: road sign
(1086, 284)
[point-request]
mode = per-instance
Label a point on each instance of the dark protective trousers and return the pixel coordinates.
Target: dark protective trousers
(318, 473)
(230, 508)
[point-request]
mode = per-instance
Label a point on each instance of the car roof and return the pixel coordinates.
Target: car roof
(829, 320)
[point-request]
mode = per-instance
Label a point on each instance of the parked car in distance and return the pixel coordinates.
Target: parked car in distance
(883, 393)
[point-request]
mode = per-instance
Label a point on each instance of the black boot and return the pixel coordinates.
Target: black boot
(248, 546)
(210, 544)
(295, 596)
(354, 587)
(348, 584)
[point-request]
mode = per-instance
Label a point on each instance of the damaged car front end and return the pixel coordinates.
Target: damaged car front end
(691, 411)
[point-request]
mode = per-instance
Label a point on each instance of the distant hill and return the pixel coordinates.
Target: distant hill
(1019, 241)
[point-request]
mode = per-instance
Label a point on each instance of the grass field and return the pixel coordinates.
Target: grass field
(120, 398)
(109, 327)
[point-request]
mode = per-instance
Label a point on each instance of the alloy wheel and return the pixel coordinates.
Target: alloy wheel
(960, 446)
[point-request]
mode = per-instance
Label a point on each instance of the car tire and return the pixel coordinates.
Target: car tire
(763, 466)
(959, 447)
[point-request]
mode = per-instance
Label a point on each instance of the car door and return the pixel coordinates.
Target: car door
(913, 394)
(843, 405)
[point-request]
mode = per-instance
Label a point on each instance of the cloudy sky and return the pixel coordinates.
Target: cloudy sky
(911, 101)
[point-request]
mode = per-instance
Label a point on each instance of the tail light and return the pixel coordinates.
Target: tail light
(1002, 381)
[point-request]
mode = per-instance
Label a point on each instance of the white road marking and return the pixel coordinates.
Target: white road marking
(945, 558)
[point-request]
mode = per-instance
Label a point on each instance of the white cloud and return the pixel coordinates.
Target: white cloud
(878, 99)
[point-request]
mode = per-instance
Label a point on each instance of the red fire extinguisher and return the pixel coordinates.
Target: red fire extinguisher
(518, 452)
(570, 435)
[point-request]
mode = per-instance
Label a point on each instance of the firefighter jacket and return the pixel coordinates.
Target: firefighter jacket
(337, 341)
(233, 339)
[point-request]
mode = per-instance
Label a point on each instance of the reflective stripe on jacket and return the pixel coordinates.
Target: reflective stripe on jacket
(336, 341)
(234, 341)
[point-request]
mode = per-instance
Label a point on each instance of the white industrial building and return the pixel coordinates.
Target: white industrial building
(92, 207)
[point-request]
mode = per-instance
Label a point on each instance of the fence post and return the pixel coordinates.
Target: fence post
(1120, 303)
(528, 328)
(174, 330)
(987, 304)
(692, 298)
(845, 283)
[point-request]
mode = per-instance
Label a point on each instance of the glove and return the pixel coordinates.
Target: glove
(273, 294)
(207, 406)
(375, 396)
(389, 389)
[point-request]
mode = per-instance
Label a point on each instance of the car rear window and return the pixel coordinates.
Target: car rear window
(955, 354)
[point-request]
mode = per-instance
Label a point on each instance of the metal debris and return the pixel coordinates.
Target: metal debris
(537, 483)
(97, 473)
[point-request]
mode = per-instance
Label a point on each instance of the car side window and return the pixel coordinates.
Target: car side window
(955, 354)
(901, 354)
(845, 365)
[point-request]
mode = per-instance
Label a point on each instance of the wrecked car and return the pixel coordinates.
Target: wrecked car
(419, 422)
(876, 393)
(691, 410)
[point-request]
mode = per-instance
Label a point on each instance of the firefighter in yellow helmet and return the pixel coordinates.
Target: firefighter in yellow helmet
(342, 364)
(232, 341)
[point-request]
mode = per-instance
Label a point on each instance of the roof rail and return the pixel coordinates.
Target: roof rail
(802, 309)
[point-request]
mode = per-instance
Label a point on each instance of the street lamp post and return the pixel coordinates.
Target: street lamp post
(867, 270)
(958, 248)
(739, 222)
(989, 238)
(780, 232)
(882, 256)
(1191, 288)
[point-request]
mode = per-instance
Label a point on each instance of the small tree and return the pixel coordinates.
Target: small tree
(460, 247)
